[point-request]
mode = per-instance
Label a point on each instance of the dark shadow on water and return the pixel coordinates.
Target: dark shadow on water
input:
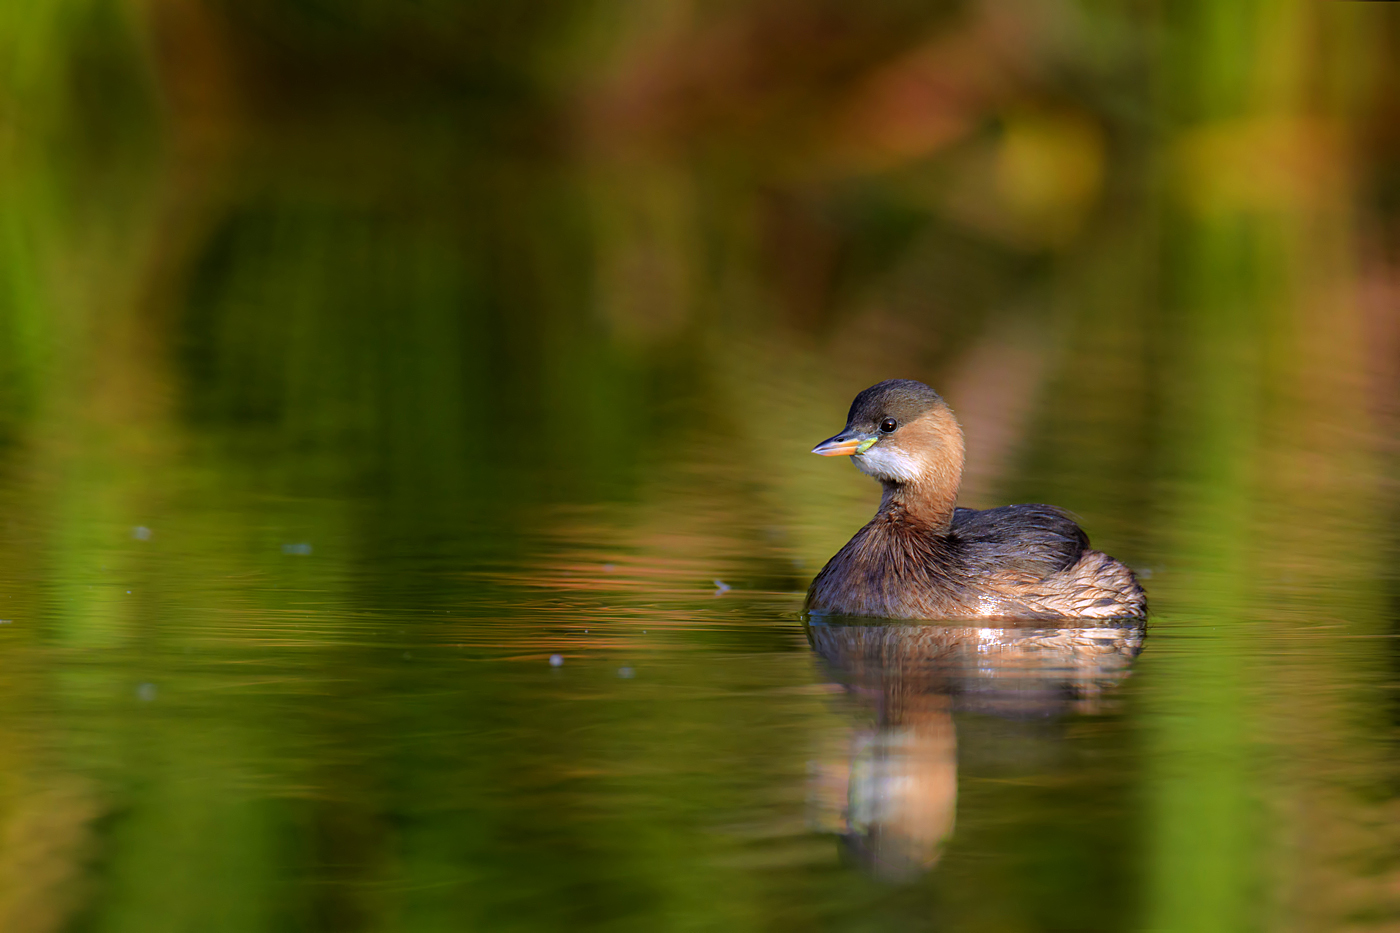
(897, 789)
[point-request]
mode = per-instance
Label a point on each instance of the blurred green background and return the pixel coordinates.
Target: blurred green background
(355, 357)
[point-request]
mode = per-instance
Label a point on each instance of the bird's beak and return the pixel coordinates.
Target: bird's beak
(844, 444)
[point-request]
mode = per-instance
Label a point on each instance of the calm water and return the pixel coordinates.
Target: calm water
(257, 713)
(405, 497)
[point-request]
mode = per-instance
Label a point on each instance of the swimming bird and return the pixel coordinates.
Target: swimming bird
(922, 557)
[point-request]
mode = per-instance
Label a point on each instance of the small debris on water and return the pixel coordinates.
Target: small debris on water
(722, 587)
(141, 533)
(146, 692)
(556, 660)
(300, 548)
(6, 621)
(609, 568)
(128, 592)
(625, 673)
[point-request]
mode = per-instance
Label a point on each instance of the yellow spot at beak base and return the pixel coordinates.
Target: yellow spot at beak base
(843, 446)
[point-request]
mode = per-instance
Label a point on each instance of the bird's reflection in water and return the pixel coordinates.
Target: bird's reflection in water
(890, 789)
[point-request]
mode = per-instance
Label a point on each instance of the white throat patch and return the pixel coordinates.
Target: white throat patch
(887, 463)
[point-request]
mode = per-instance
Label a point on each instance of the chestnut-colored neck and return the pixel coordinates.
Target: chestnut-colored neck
(929, 499)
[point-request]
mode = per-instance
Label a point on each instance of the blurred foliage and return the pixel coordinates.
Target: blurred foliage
(477, 299)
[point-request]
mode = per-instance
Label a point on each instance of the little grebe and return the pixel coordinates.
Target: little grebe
(921, 557)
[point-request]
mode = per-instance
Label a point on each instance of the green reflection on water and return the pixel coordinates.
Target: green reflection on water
(356, 361)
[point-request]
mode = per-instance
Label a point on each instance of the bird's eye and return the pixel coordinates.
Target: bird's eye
(888, 425)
